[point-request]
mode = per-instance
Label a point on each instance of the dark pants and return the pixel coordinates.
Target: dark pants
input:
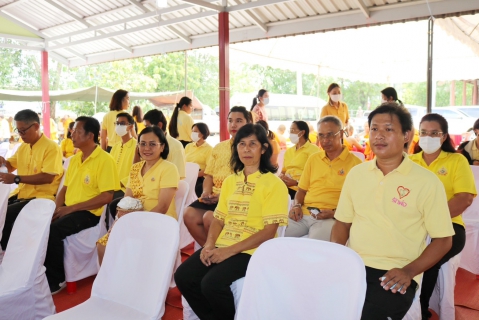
(60, 229)
(184, 143)
(429, 278)
(117, 196)
(199, 186)
(13, 210)
(381, 304)
(108, 149)
(292, 193)
(207, 289)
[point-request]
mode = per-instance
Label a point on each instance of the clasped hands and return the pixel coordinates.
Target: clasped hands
(296, 214)
(62, 211)
(7, 178)
(211, 254)
(209, 198)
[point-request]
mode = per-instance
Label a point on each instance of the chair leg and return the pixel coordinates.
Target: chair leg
(71, 287)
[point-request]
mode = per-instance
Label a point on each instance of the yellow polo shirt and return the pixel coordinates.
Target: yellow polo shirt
(185, 124)
(53, 130)
(147, 188)
(294, 160)
(323, 179)
(245, 208)
(44, 157)
(123, 155)
(454, 172)
(108, 124)
(392, 215)
(198, 154)
(218, 164)
(177, 155)
(67, 147)
(341, 112)
(88, 179)
(140, 126)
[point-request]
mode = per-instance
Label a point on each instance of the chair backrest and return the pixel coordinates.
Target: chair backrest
(27, 245)
(280, 161)
(192, 170)
(360, 155)
(4, 193)
(282, 230)
(472, 212)
(180, 199)
(3, 153)
(138, 263)
(66, 163)
(330, 280)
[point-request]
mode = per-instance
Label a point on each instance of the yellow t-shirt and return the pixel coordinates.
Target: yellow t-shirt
(294, 160)
(140, 126)
(454, 172)
(53, 130)
(88, 179)
(341, 112)
(147, 188)
(323, 179)
(123, 155)
(108, 124)
(185, 122)
(245, 208)
(177, 155)
(44, 157)
(199, 154)
(392, 215)
(218, 164)
(67, 147)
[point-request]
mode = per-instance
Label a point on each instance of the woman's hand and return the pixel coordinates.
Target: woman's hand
(296, 213)
(219, 255)
(210, 198)
(206, 253)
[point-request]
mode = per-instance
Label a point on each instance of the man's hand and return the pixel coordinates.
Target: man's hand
(396, 280)
(324, 214)
(288, 181)
(61, 212)
(296, 213)
(7, 178)
(219, 255)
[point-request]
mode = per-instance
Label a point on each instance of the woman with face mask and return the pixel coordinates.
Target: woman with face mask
(335, 106)
(436, 153)
(470, 149)
(296, 156)
(198, 152)
(258, 109)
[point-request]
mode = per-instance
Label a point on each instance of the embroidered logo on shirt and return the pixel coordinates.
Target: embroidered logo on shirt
(153, 179)
(442, 172)
(341, 172)
(87, 179)
(402, 191)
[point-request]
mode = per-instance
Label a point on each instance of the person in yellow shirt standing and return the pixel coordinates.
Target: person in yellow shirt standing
(53, 130)
(181, 121)
(67, 144)
(137, 114)
(90, 182)
(320, 184)
(38, 162)
(335, 106)
(120, 101)
(437, 154)
(66, 125)
(386, 209)
(198, 152)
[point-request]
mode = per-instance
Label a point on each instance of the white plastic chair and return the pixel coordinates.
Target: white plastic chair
(4, 193)
(470, 253)
(181, 198)
(192, 170)
(337, 292)
(134, 277)
(360, 155)
(24, 290)
(280, 161)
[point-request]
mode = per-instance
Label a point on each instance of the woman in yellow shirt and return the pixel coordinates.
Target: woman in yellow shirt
(198, 152)
(119, 101)
(253, 203)
(350, 141)
(181, 121)
(437, 154)
(153, 180)
(66, 145)
(272, 141)
(335, 107)
(137, 115)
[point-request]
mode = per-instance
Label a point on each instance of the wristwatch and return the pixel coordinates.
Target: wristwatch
(17, 179)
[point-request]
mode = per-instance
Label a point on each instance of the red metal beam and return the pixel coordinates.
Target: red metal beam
(224, 68)
(45, 94)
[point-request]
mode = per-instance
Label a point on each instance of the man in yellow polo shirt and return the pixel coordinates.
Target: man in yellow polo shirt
(320, 184)
(387, 208)
(90, 181)
(38, 162)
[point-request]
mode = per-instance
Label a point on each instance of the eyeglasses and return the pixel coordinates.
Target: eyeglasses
(434, 134)
(22, 132)
(152, 145)
(122, 123)
(328, 136)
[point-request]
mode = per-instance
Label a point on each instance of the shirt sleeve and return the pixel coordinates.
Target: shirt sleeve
(210, 163)
(304, 181)
(52, 161)
(221, 210)
(13, 159)
(463, 177)
(108, 179)
(169, 177)
(275, 205)
(345, 210)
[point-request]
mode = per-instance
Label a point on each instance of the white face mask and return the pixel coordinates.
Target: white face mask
(429, 144)
(294, 138)
(195, 136)
(121, 130)
(265, 101)
(335, 97)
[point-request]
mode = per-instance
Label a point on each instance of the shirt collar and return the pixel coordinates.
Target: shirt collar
(95, 153)
(403, 168)
(304, 145)
(252, 176)
(342, 156)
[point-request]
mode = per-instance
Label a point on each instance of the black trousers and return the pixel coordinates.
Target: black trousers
(60, 229)
(199, 186)
(207, 289)
(108, 149)
(429, 278)
(292, 193)
(381, 304)
(13, 210)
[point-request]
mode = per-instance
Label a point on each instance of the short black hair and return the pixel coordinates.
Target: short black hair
(70, 127)
(27, 116)
(203, 129)
(90, 125)
(155, 117)
(393, 108)
(247, 130)
(161, 137)
(127, 116)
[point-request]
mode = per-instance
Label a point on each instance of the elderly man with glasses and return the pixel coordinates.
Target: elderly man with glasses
(320, 184)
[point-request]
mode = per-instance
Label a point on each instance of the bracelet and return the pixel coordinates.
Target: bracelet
(298, 205)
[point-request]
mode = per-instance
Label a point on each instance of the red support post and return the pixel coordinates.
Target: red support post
(45, 94)
(224, 68)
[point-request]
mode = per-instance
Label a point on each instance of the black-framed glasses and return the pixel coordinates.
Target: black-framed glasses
(122, 123)
(22, 132)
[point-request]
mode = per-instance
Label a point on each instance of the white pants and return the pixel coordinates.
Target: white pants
(315, 229)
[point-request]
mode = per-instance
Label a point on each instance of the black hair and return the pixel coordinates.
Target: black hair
(203, 129)
(390, 92)
(70, 127)
(127, 116)
(264, 124)
(173, 128)
(448, 144)
(90, 125)
(257, 130)
(303, 126)
(137, 113)
(259, 95)
(393, 108)
(28, 116)
(116, 102)
(161, 137)
(246, 114)
(155, 117)
(476, 125)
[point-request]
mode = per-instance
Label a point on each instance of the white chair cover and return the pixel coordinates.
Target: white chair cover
(360, 155)
(470, 253)
(135, 274)
(4, 193)
(180, 198)
(192, 170)
(280, 161)
(24, 291)
(182, 195)
(337, 291)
